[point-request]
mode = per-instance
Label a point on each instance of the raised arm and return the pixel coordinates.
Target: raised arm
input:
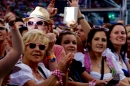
(7, 63)
(82, 21)
(51, 9)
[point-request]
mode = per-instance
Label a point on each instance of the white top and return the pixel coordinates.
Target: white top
(123, 65)
(22, 73)
(97, 75)
(80, 57)
(109, 54)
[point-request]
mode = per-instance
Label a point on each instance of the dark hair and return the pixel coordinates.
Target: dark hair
(19, 19)
(1, 21)
(91, 25)
(63, 33)
(110, 45)
(22, 28)
(91, 35)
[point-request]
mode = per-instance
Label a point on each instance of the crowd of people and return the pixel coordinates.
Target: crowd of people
(35, 52)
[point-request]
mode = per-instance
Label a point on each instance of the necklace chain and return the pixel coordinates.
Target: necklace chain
(98, 65)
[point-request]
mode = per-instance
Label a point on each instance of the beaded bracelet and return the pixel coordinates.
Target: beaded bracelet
(92, 83)
(59, 75)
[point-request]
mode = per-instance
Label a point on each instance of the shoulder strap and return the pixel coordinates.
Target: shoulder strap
(40, 69)
(102, 69)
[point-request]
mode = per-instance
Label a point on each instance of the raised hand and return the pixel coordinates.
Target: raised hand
(51, 9)
(73, 3)
(52, 40)
(9, 17)
(65, 61)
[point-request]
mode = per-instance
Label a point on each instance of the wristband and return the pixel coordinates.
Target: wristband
(82, 17)
(13, 27)
(59, 75)
(52, 58)
(92, 83)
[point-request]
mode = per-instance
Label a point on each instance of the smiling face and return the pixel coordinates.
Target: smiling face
(118, 35)
(99, 42)
(81, 34)
(37, 23)
(69, 43)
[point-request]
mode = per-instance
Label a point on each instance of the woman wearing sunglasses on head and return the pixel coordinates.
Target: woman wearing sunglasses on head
(30, 71)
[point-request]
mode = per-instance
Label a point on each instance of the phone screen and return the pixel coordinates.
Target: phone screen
(60, 4)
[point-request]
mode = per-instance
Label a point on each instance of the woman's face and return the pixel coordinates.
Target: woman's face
(35, 51)
(69, 43)
(128, 41)
(81, 34)
(99, 42)
(118, 35)
(3, 32)
(37, 23)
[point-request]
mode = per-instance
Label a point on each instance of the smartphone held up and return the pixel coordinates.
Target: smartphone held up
(70, 14)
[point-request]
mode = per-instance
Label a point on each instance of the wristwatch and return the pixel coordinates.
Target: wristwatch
(53, 59)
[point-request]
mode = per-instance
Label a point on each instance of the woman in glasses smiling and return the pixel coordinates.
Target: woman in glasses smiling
(30, 71)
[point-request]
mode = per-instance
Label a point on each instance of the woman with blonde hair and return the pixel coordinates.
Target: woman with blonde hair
(31, 70)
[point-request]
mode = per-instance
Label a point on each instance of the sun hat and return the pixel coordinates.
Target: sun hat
(39, 12)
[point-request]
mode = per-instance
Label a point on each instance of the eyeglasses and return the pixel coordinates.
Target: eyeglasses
(33, 45)
(39, 23)
(99, 27)
(2, 28)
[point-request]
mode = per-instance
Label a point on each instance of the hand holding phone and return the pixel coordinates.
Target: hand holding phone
(114, 81)
(70, 14)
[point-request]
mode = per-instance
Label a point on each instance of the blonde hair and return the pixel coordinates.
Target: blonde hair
(35, 35)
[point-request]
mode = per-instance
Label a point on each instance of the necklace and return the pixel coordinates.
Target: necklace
(98, 65)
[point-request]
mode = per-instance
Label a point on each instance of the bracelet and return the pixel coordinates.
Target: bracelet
(52, 58)
(59, 75)
(13, 27)
(80, 18)
(92, 83)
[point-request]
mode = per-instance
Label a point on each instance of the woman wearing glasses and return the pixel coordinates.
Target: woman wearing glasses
(30, 71)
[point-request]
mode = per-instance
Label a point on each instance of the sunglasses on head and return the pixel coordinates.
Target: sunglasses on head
(33, 45)
(2, 28)
(39, 23)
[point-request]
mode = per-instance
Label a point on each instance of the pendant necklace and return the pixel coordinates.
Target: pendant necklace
(98, 65)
